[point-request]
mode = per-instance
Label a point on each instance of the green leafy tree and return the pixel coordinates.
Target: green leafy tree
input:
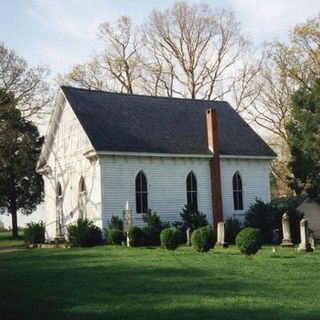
(304, 141)
(21, 187)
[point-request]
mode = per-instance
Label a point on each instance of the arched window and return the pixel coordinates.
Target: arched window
(192, 192)
(237, 192)
(59, 190)
(141, 193)
(82, 199)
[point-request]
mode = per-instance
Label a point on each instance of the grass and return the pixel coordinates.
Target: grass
(111, 282)
(6, 240)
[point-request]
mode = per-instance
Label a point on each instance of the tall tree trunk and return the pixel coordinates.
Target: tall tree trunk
(14, 224)
(13, 210)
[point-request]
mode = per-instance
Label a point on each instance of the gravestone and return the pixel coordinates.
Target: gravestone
(188, 236)
(220, 236)
(304, 245)
(127, 221)
(286, 241)
(275, 237)
(311, 240)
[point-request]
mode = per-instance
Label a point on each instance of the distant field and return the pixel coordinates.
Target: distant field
(7, 241)
(144, 283)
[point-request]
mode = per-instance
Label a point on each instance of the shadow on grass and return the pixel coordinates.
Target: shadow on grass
(106, 284)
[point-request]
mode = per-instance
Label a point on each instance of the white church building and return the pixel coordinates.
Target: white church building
(105, 149)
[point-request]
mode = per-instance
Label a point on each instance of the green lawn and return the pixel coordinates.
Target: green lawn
(127, 283)
(6, 240)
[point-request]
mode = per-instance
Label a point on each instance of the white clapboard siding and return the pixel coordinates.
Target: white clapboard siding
(68, 164)
(110, 180)
(255, 183)
(166, 179)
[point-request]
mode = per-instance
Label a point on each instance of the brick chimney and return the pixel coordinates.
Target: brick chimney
(213, 145)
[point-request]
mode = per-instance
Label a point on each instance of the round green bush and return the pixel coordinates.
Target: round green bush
(249, 241)
(84, 234)
(136, 236)
(203, 239)
(34, 233)
(170, 238)
(115, 236)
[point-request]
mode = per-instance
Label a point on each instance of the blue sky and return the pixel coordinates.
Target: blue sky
(61, 33)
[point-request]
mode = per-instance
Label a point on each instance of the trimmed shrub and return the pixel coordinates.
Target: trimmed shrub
(154, 225)
(249, 241)
(151, 219)
(115, 223)
(203, 239)
(136, 236)
(151, 236)
(115, 236)
(34, 233)
(233, 227)
(84, 234)
(190, 219)
(170, 238)
(268, 216)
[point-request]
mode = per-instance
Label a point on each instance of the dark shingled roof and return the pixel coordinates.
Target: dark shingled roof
(136, 123)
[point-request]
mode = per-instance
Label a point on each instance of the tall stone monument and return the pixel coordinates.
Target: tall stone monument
(286, 241)
(220, 236)
(127, 221)
(304, 245)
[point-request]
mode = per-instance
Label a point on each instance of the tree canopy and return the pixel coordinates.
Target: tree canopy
(21, 188)
(304, 140)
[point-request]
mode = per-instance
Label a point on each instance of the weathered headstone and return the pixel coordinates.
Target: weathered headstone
(127, 221)
(275, 237)
(311, 240)
(286, 241)
(188, 236)
(304, 245)
(220, 235)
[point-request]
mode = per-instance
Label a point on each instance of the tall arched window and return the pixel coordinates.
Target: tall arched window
(59, 211)
(192, 192)
(59, 191)
(141, 193)
(82, 199)
(237, 192)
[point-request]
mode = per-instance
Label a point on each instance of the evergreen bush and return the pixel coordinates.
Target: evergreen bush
(268, 216)
(136, 236)
(34, 233)
(115, 236)
(115, 223)
(232, 228)
(84, 234)
(203, 239)
(249, 241)
(170, 238)
(151, 236)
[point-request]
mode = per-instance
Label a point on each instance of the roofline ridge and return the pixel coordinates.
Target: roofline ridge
(141, 95)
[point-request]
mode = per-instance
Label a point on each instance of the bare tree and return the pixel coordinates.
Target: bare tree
(27, 85)
(118, 67)
(187, 50)
(204, 51)
(287, 67)
(122, 60)
(89, 75)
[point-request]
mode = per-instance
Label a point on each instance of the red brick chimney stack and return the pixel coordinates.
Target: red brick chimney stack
(213, 145)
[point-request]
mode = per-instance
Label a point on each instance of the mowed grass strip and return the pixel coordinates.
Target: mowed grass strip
(6, 240)
(112, 282)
